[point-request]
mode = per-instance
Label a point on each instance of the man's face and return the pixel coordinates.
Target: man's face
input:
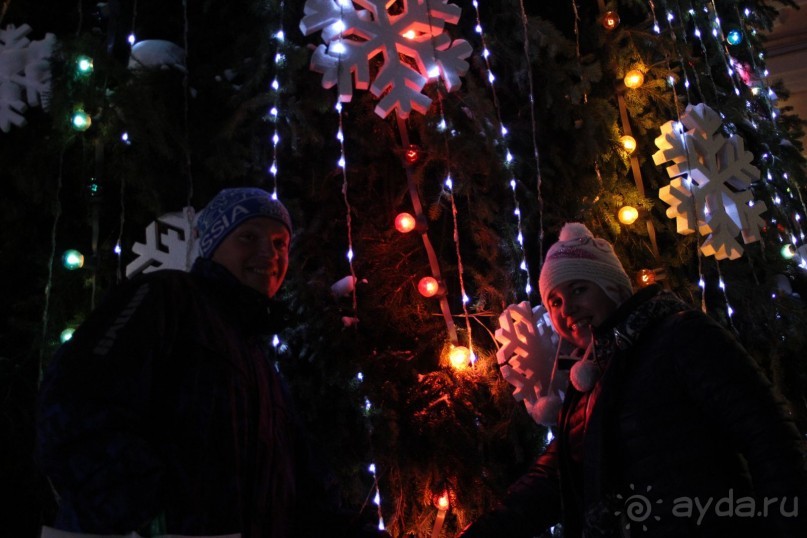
(577, 306)
(257, 254)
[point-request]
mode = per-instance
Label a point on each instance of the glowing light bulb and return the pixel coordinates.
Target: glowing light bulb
(788, 252)
(646, 277)
(66, 334)
(628, 214)
(412, 154)
(80, 120)
(628, 143)
(405, 223)
(409, 34)
(72, 259)
(428, 286)
(734, 37)
(610, 20)
(459, 357)
(634, 79)
(442, 500)
(84, 65)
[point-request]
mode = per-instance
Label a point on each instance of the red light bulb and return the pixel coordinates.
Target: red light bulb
(428, 286)
(405, 223)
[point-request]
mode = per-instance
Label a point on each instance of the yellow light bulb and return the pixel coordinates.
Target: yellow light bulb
(634, 79)
(628, 143)
(628, 215)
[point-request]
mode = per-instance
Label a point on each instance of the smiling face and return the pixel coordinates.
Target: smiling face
(575, 307)
(257, 254)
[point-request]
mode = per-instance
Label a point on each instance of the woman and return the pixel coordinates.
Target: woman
(668, 427)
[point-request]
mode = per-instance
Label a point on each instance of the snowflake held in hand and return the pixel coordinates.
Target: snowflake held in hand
(412, 42)
(710, 189)
(24, 74)
(527, 355)
(168, 245)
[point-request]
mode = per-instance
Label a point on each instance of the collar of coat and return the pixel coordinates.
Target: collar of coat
(253, 312)
(644, 309)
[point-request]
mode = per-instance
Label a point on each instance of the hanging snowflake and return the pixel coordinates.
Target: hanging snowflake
(710, 190)
(24, 68)
(167, 246)
(412, 43)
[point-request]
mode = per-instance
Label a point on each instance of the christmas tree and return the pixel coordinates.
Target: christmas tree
(489, 124)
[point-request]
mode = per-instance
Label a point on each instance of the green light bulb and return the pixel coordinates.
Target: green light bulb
(84, 65)
(81, 120)
(72, 259)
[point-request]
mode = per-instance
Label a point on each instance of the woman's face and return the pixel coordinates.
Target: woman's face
(577, 306)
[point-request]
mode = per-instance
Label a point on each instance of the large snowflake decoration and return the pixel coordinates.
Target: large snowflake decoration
(527, 360)
(168, 245)
(710, 190)
(24, 74)
(413, 45)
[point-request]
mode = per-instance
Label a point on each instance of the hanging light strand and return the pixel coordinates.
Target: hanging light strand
(274, 113)
(534, 129)
(460, 269)
(720, 37)
(51, 261)
(509, 159)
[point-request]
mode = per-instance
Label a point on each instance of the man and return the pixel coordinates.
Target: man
(164, 414)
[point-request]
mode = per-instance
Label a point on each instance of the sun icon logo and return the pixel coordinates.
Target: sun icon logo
(638, 507)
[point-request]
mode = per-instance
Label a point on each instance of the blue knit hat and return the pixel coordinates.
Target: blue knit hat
(231, 207)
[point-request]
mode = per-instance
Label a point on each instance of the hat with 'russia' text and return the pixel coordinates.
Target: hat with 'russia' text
(230, 208)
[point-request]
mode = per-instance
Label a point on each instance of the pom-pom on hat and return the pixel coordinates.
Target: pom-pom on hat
(578, 255)
(230, 208)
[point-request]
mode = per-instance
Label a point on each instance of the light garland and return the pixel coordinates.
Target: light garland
(508, 156)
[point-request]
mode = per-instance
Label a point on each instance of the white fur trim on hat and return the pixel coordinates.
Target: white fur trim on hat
(578, 255)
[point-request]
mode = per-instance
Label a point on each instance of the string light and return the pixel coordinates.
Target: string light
(66, 334)
(72, 259)
(610, 20)
(503, 129)
(428, 286)
(628, 215)
(80, 120)
(405, 223)
(646, 277)
(84, 65)
(634, 79)
(459, 357)
(628, 143)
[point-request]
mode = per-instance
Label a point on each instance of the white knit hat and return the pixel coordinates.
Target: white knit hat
(578, 255)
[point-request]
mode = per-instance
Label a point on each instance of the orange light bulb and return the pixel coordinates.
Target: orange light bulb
(459, 357)
(442, 501)
(646, 277)
(634, 79)
(610, 20)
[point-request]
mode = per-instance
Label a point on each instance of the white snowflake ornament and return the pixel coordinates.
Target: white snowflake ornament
(24, 74)
(169, 244)
(413, 44)
(711, 179)
(527, 359)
